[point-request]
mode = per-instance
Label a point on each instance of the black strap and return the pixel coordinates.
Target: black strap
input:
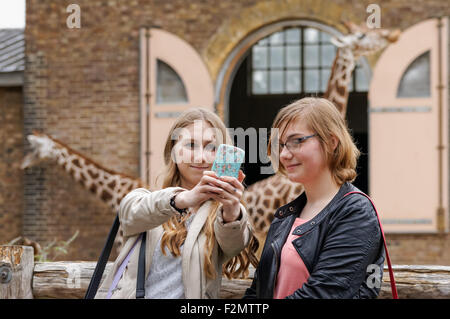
(140, 281)
(101, 264)
(104, 256)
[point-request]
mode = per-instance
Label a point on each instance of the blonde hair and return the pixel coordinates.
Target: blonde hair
(175, 229)
(322, 117)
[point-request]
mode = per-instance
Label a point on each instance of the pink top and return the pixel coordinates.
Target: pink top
(292, 273)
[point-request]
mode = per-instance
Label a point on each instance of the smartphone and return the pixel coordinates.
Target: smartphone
(228, 160)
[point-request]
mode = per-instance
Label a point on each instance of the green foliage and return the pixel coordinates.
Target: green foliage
(54, 249)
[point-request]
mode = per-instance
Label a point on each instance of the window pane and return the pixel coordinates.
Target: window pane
(276, 57)
(276, 38)
(294, 60)
(311, 35)
(259, 57)
(169, 86)
(328, 55)
(415, 81)
(362, 82)
(293, 36)
(325, 37)
(276, 82)
(311, 55)
(324, 77)
(311, 81)
(293, 56)
(259, 82)
(293, 81)
(264, 41)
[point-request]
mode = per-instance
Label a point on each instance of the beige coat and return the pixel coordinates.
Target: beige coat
(142, 210)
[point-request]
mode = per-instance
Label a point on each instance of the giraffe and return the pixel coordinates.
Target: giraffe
(265, 196)
(106, 184)
(360, 41)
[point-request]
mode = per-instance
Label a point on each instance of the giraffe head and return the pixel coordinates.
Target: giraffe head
(364, 41)
(42, 148)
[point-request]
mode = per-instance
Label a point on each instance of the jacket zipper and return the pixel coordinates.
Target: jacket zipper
(276, 273)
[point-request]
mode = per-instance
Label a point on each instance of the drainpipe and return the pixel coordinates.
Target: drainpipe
(147, 106)
(440, 88)
(144, 103)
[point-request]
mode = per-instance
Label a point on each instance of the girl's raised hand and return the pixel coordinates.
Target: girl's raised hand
(228, 191)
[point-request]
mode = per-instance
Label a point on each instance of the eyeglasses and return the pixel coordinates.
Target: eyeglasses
(294, 143)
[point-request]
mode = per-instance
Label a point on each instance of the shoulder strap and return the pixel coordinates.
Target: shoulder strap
(140, 281)
(104, 256)
(101, 264)
(391, 273)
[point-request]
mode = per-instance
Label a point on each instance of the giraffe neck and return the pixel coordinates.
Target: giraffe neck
(341, 75)
(263, 198)
(107, 185)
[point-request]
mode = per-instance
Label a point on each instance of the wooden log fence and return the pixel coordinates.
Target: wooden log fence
(20, 277)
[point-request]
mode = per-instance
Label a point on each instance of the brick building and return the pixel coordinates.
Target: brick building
(86, 87)
(12, 63)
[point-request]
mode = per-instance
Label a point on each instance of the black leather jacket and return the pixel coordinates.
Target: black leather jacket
(337, 246)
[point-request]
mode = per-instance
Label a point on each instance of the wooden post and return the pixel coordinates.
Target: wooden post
(16, 272)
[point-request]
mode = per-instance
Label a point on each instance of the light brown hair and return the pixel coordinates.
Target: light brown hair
(322, 117)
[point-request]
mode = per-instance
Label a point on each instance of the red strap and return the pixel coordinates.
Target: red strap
(391, 273)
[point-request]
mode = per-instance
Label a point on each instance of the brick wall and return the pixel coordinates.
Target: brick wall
(11, 152)
(419, 249)
(82, 86)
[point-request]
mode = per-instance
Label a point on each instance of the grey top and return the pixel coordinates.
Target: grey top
(165, 280)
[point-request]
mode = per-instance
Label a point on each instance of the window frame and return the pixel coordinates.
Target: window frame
(302, 68)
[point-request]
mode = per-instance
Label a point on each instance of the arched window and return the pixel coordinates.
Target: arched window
(415, 81)
(297, 60)
(169, 86)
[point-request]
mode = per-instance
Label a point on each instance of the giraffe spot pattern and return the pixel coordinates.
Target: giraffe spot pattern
(260, 211)
(83, 177)
(92, 174)
(105, 195)
(76, 162)
(341, 90)
(112, 184)
(276, 203)
(93, 188)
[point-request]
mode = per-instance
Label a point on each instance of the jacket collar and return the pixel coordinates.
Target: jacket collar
(290, 208)
(297, 205)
